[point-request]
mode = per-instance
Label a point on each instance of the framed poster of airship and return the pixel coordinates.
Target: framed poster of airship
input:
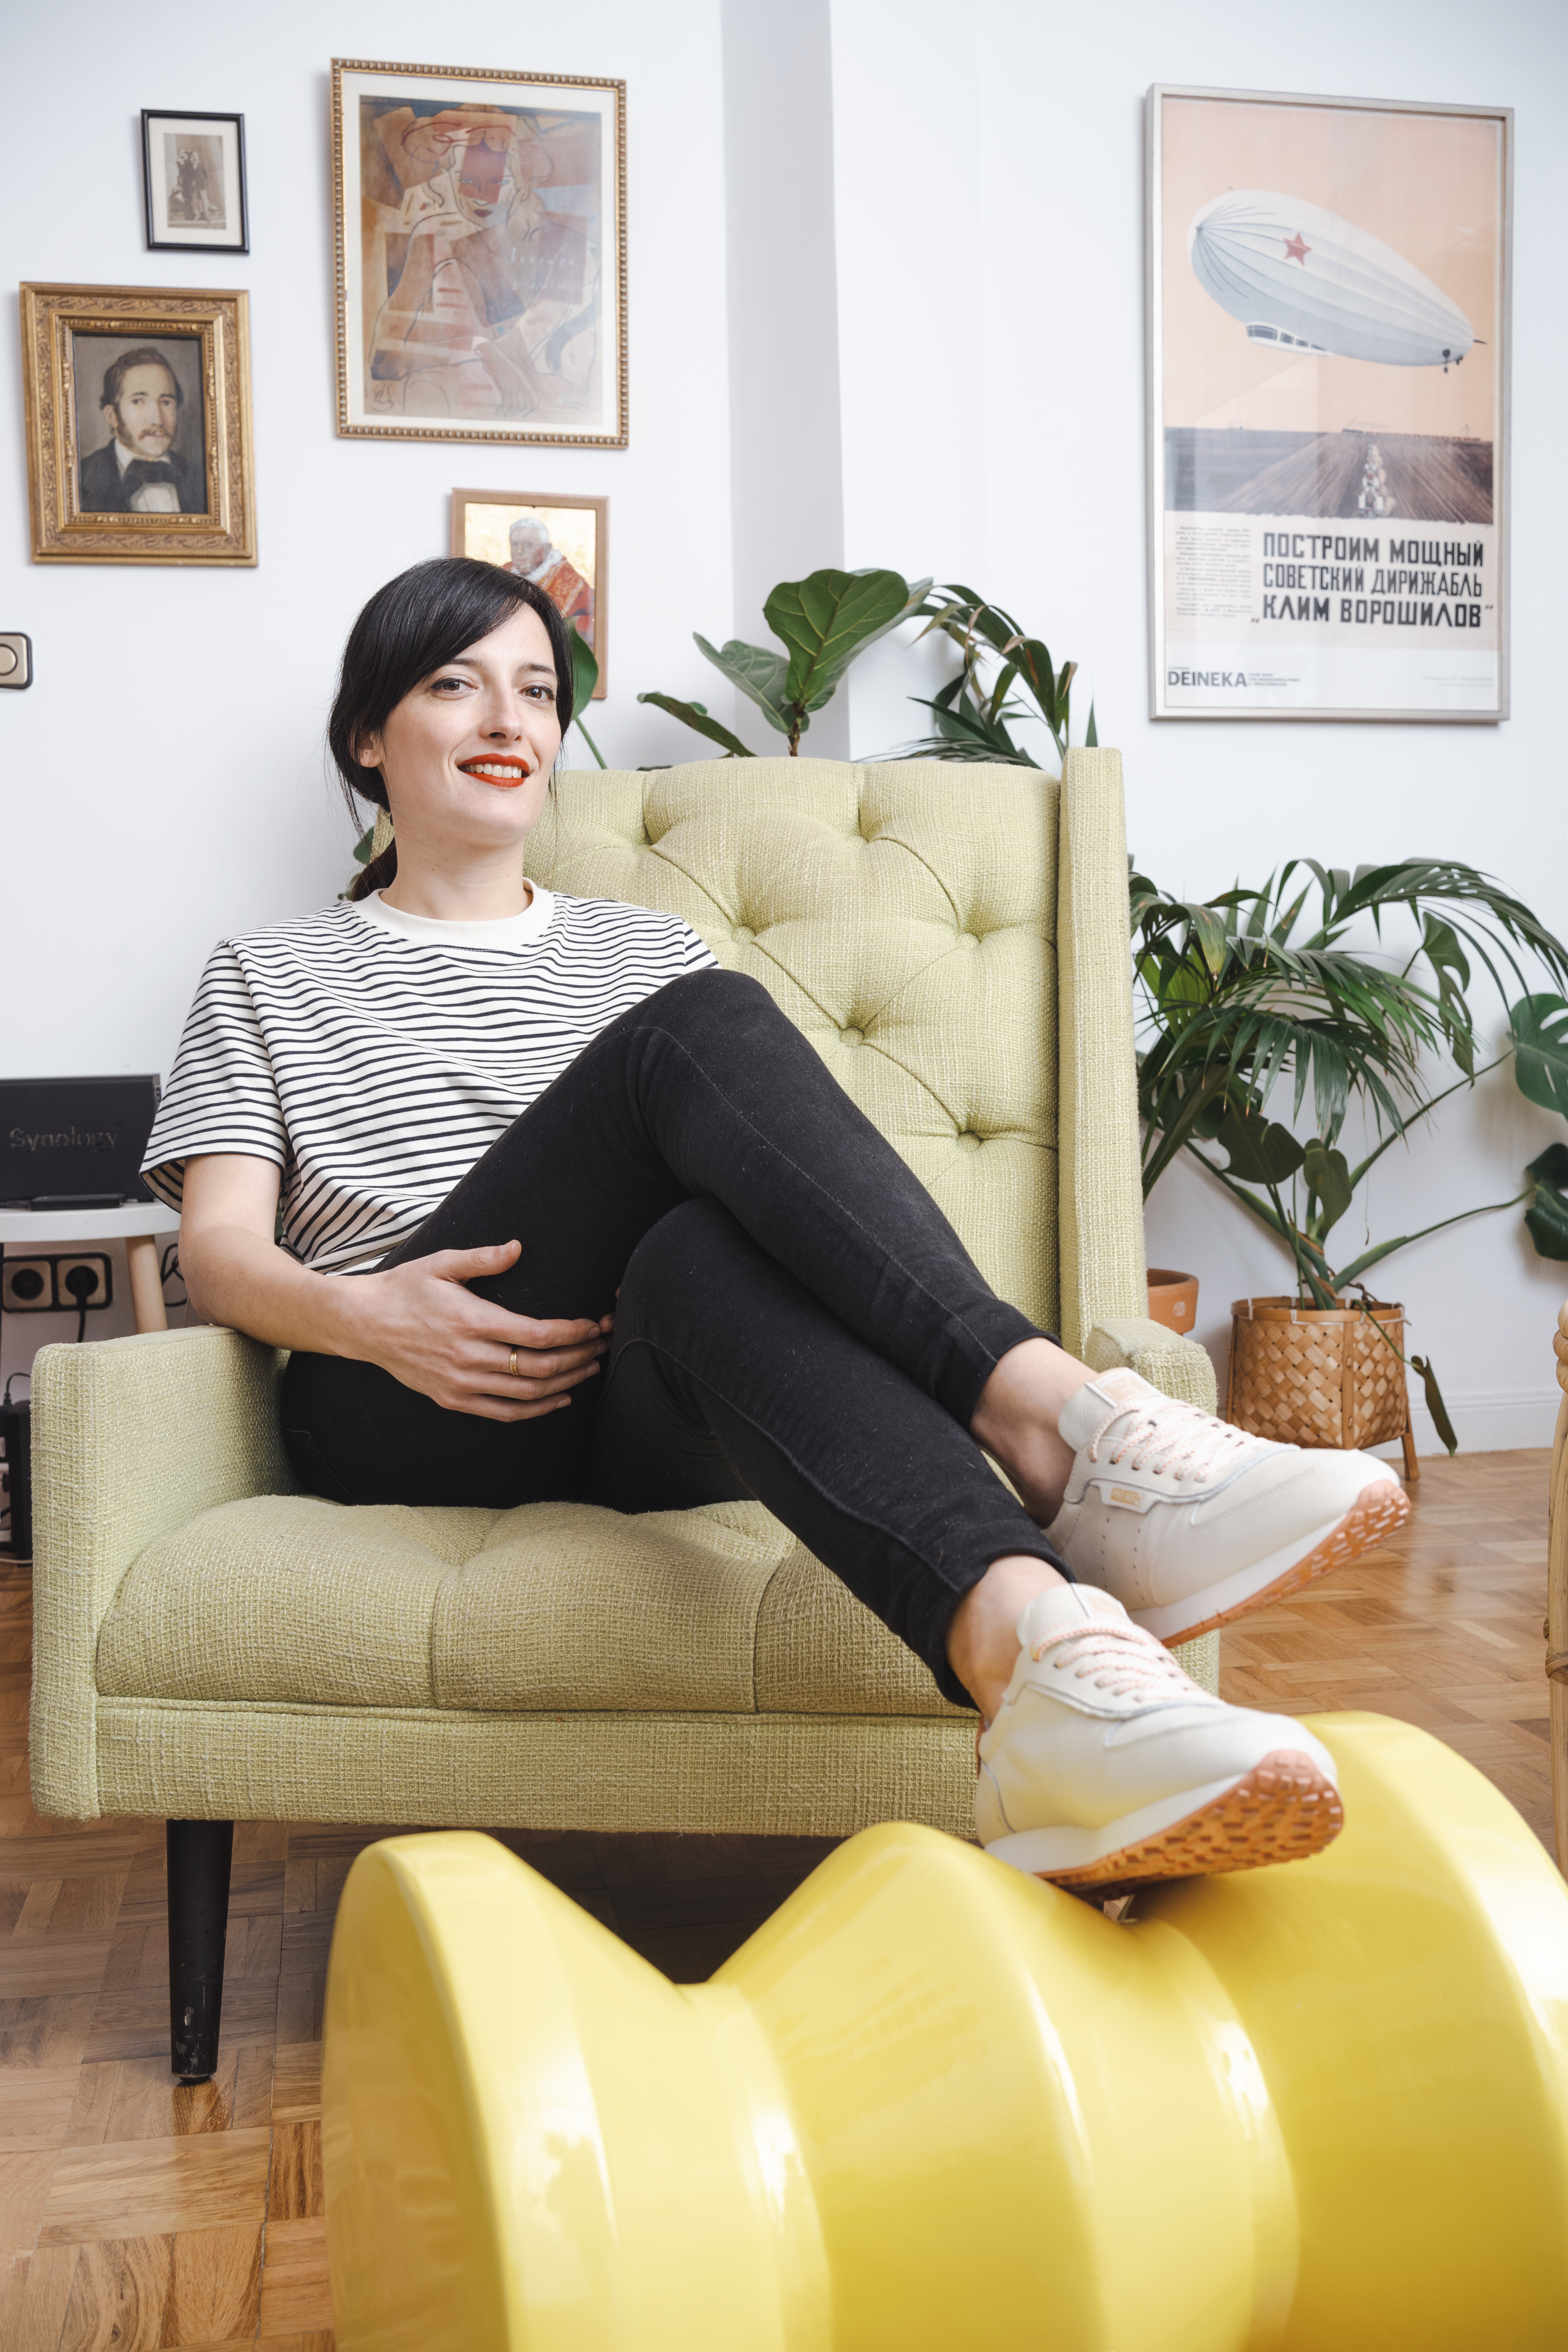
(1329, 357)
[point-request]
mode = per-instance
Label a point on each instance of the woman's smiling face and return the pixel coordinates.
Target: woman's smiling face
(465, 757)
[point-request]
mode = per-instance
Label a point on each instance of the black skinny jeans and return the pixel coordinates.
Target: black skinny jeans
(798, 1320)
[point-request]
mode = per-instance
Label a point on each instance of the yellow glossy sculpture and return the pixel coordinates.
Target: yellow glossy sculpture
(934, 2103)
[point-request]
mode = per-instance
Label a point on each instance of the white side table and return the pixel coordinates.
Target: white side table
(140, 1225)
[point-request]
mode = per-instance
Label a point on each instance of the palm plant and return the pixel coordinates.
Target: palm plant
(972, 716)
(1240, 991)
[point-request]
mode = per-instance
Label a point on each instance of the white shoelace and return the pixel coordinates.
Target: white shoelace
(1171, 1436)
(1121, 1659)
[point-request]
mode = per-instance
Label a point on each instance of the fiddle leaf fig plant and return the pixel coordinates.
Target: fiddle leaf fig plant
(822, 622)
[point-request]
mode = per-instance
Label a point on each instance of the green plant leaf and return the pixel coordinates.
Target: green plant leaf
(1327, 1175)
(693, 715)
(1539, 1027)
(757, 670)
(1546, 1218)
(827, 619)
(1259, 1150)
(1551, 1166)
(585, 670)
(1434, 1405)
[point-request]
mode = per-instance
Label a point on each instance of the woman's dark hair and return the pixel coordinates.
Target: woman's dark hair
(427, 616)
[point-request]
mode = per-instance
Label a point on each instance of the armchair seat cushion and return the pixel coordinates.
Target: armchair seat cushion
(553, 1608)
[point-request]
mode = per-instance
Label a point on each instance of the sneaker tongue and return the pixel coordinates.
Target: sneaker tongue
(1067, 1604)
(1108, 1392)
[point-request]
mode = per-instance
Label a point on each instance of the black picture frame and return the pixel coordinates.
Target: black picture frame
(220, 240)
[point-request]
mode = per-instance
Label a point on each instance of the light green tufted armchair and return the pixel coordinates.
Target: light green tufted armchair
(212, 1646)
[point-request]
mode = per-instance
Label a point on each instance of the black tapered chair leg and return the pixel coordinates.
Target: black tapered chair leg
(200, 1855)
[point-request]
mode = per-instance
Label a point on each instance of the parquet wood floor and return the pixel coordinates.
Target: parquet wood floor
(137, 2215)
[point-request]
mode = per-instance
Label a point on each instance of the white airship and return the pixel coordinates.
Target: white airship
(1301, 280)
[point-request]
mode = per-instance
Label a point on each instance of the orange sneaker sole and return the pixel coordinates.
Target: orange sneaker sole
(1282, 1811)
(1377, 1511)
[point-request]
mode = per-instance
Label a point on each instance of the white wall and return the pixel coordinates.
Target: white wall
(990, 173)
(886, 282)
(163, 781)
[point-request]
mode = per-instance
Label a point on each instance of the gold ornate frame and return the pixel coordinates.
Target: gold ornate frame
(62, 533)
(463, 499)
(518, 435)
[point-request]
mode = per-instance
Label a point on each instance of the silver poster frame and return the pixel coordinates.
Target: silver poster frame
(1158, 708)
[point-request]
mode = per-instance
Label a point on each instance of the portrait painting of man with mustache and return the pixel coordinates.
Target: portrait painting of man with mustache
(149, 456)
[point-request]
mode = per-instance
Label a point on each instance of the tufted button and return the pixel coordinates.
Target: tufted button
(744, 933)
(968, 1141)
(851, 1038)
(967, 940)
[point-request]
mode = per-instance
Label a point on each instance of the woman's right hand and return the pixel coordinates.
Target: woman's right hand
(417, 1322)
(420, 1323)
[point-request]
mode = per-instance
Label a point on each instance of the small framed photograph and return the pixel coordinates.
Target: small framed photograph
(482, 271)
(1329, 353)
(561, 543)
(138, 404)
(193, 173)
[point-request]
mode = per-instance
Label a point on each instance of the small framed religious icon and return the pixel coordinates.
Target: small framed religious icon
(561, 543)
(193, 175)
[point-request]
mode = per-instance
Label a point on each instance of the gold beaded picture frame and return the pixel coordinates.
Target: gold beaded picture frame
(481, 255)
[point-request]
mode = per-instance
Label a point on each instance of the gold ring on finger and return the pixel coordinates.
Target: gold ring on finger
(512, 1364)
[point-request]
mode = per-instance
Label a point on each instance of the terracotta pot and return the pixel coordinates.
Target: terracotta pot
(1317, 1375)
(1173, 1299)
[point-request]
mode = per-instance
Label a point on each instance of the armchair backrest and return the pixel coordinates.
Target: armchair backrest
(905, 915)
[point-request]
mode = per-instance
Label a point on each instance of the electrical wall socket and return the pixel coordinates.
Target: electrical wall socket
(56, 1286)
(72, 1275)
(28, 1285)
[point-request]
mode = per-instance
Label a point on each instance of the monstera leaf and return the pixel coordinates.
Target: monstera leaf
(1540, 1025)
(1546, 1219)
(757, 671)
(828, 618)
(696, 715)
(1260, 1151)
(1328, 1174)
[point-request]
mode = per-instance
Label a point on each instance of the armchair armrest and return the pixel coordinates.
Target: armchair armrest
(1177, 1367)
(130, 1437)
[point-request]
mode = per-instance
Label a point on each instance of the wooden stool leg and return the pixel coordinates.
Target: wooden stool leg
(1412, 1466)
(146, 1289)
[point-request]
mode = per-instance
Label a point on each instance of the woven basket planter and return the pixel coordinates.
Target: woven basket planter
(1318, 1375)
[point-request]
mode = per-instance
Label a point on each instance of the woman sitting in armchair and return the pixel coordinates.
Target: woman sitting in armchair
(569, 1212)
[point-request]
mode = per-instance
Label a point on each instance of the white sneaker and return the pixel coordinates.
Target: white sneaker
(1105, 1767)
(1190, 1522)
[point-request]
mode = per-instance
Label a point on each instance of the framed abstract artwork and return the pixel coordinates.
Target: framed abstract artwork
(480, 222)
(1329, 346)
(138, 401)
(561, 543)
(193, 180)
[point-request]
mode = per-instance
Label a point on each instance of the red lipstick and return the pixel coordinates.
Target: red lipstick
(503, 769)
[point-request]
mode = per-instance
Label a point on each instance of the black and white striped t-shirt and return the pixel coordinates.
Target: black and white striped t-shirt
(374, 1056)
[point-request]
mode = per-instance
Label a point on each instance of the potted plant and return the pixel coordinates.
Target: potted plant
(1237, 993)
(822, 622)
